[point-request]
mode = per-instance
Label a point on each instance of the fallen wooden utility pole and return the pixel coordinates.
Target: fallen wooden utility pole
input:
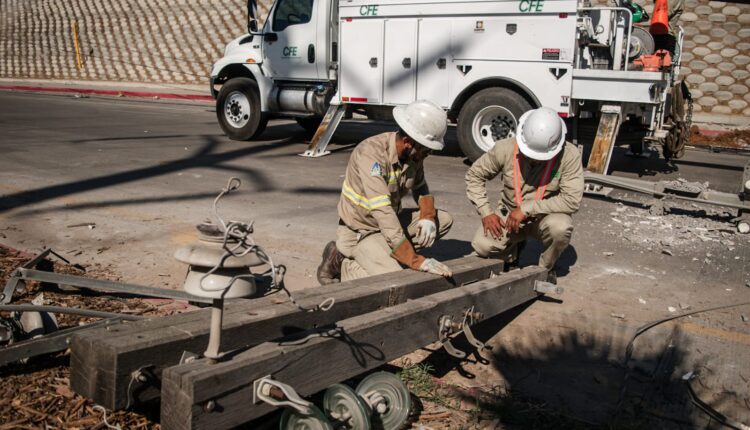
(122, 365)
(206, 395)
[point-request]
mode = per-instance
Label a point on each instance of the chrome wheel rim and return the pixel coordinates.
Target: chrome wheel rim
(237, 109)
(491, 124)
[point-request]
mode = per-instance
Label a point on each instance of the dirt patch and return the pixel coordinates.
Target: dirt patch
(738, 139)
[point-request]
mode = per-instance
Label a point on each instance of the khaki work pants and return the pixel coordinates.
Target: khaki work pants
(368, 255)
(553, 230)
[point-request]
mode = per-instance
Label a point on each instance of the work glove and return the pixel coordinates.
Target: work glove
(430, 265)
(426, 233)
(404, 253)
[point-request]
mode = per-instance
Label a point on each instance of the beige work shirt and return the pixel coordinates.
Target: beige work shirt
(563, 194)
(374, 185)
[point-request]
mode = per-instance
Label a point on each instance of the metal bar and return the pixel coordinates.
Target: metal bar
(107, 286)
(70, 311)
(15, 278)
(54, 342)
(656, 189)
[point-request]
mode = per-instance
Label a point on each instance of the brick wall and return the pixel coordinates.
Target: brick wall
(177, 41)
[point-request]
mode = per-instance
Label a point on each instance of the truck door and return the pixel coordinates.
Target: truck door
(400, 63)
(295, 53)
(361, 62)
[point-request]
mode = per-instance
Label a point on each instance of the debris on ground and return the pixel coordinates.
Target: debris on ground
(739, 139)
(684, 186)
(37, 394)
(682, 230)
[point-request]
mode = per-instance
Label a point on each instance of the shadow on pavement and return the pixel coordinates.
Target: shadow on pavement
(205, 157)
(557, 377)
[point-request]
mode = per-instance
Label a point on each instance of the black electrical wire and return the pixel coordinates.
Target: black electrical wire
(694, 397)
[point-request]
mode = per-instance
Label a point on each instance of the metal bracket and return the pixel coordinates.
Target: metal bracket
(452, 350)
(597, 190)
(188, 357)
(466, 326)
(277, 393)
(17, 277)
(543, 287)
(446, 326)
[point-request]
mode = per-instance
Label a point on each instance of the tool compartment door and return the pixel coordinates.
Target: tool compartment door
(434, 60)
(400, 64)
(361, 60)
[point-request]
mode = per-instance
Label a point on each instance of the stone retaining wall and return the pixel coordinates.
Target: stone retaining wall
(177, 41)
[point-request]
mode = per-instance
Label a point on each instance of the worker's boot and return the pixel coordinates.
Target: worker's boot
(329, 271)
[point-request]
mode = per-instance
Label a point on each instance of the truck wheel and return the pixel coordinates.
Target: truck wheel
(488, 116)
(238, 109)
(310, 123)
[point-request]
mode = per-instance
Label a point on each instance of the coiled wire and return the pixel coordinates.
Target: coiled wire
(236, 242)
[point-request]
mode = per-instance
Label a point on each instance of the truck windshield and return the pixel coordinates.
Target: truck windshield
(291, 12)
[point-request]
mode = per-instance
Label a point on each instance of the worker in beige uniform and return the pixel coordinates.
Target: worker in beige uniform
(542, 181)
(375, 234)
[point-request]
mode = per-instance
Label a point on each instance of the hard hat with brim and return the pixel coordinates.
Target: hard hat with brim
(532, 153)
(406, 119)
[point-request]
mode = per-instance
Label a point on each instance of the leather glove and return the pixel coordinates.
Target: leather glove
(426, 233)
(404, 253)
(427, 207)
(430, 265)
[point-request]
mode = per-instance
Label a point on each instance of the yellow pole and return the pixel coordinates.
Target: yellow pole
(78, 49)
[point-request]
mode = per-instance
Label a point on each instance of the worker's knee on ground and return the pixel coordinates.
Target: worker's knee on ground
(444, 221)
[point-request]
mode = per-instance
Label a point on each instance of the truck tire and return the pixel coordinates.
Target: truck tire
(310, 123)
(238, 109)
(488, 116)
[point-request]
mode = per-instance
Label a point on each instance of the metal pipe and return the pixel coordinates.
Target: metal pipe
(69, 311)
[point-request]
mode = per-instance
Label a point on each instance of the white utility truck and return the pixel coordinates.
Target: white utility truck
(484, 61)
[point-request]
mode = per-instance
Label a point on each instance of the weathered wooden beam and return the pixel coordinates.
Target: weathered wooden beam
(103, 361)
(354, 346)
(604, 143)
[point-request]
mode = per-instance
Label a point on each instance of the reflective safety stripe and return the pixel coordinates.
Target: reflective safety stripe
(369, 204)
(394, 176)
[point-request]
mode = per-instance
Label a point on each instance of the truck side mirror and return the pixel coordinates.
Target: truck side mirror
(252, 25)
(252, 14)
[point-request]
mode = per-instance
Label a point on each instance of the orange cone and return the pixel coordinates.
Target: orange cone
(660, 18)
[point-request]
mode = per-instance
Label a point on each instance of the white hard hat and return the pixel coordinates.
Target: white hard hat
(423, 121)
(541, 134)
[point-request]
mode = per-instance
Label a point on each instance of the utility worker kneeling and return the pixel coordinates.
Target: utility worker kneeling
(375, 235)
(542, 185)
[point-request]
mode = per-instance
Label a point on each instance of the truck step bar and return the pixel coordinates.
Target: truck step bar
(323, 135)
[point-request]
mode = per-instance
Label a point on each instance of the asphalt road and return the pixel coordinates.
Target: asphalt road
(143, 173)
